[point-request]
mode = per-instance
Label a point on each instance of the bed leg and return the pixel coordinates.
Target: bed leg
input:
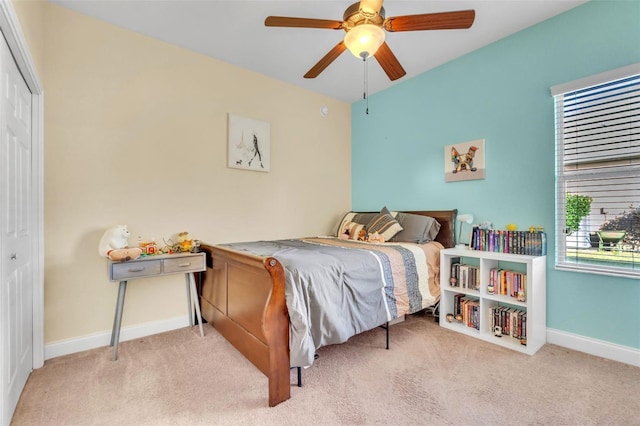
(387, 327)
(299, 372)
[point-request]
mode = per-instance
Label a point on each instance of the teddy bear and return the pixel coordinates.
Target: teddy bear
(114, 244)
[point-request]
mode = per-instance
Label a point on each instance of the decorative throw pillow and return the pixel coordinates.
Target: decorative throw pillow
(353, 230)
(384, 224)
(361, 218)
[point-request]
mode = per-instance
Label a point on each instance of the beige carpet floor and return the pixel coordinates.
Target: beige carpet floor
(430, 376)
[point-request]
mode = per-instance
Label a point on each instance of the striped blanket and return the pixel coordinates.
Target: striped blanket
(336, 288)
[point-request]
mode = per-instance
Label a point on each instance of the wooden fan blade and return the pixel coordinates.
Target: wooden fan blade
(326, 60)
(389, 62)
(283, 21)
(371, 6)
(431, 21)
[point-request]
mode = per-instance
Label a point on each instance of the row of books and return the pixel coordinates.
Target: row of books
(467, 310)
(515, 242)
(512, 322)
(465, 276)
(508, 283)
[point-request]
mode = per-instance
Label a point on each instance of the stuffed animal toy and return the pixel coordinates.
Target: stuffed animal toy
(124, 254)
(375, 238)
(184, 241)
(114, 244)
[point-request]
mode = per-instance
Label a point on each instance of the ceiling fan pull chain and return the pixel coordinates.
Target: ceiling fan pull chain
(366, 85)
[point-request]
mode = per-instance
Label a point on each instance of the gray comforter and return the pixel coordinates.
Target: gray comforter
(335, 292)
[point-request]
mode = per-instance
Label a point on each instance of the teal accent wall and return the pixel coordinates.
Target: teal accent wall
(501, 93)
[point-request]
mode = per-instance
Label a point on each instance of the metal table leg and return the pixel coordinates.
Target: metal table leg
(189, 302)
(117, 320)
(192, 297)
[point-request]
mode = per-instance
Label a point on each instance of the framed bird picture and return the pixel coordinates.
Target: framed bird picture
(464, 161)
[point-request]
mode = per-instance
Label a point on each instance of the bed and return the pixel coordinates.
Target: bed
(246, 287)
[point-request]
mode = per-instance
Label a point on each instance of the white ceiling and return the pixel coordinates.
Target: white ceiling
(234, 32)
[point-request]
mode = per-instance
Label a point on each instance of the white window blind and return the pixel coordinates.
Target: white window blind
(598, 172)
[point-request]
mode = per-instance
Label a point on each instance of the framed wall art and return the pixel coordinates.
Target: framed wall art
(249, 144)
(464, 161)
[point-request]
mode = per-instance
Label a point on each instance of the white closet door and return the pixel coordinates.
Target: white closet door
(16, 292)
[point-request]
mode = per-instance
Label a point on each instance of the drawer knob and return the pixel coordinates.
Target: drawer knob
(184, 265)
(136, 269)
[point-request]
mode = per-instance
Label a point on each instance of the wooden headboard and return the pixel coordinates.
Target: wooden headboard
(447, 221)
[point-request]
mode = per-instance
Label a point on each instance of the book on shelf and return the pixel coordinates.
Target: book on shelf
(470, 308)
(464, 276)
(456, 304)
(467, 310)
(453, 275)
(504, 282)
(514, 242)
(509, 322)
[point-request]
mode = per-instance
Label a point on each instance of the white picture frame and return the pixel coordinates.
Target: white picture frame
(249, 144)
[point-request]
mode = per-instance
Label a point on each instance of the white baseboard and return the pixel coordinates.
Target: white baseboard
(92, 341)
(576, 342)
(595, 347)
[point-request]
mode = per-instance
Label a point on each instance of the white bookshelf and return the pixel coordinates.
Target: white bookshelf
(535, 304)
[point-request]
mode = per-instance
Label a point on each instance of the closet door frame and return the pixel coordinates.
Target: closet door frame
(10, 27)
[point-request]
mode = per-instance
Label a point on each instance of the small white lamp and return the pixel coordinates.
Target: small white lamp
(463, 218)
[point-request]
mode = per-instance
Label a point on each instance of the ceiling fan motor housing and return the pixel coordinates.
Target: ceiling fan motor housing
(354, 16)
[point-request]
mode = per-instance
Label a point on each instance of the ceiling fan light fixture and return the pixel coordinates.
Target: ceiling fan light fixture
(364, 40)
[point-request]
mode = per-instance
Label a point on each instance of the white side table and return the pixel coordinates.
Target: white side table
(156, 266)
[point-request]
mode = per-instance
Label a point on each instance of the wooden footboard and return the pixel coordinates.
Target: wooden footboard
(243, 297)
(251, 313)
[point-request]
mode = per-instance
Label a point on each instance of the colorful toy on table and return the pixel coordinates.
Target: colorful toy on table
(148, 247)
(185, 242)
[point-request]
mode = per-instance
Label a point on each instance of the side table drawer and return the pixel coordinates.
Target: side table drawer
(184, 264)
(126, 270)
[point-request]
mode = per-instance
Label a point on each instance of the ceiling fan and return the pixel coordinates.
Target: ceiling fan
(365, 23)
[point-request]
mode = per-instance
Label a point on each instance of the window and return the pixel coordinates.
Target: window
(598, 173)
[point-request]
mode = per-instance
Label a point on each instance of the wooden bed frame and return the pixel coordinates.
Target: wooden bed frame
(243, 297)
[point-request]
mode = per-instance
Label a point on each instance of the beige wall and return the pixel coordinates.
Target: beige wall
(31, 15)
(136, 133)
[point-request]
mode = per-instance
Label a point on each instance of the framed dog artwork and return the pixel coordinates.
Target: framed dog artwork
(464, 161)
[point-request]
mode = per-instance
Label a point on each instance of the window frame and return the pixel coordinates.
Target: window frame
(562, 176)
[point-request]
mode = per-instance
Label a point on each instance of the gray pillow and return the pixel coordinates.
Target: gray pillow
(416, 228)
